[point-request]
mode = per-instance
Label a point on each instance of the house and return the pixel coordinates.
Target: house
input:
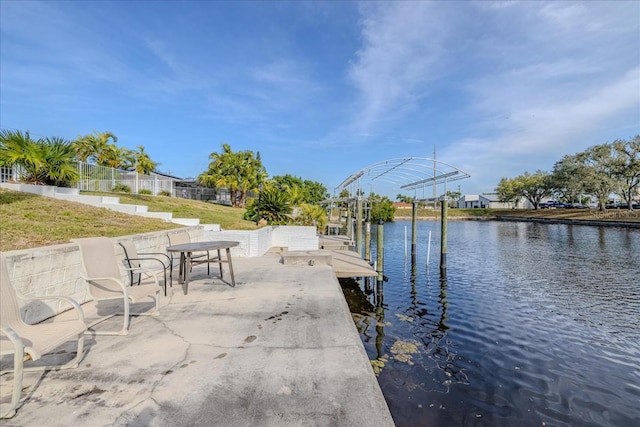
(474, 201)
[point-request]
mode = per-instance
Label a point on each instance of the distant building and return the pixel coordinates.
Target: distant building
(474, 201)
(402, 205)
(491, 200)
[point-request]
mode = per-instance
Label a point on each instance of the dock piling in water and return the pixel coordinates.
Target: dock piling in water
(380, 249)
(443, 237)
(414, 230)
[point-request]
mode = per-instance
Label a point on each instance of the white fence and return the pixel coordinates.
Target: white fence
(102, 178)
(105, 179)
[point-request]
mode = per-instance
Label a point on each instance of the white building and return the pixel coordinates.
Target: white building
(490, 200)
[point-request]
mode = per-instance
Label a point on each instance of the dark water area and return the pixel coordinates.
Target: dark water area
(535, 324)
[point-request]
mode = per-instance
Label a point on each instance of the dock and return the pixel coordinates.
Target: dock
(335, 252)
(278, 349)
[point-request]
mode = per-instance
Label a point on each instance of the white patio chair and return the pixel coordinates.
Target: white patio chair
(31, 342)
(103, 278)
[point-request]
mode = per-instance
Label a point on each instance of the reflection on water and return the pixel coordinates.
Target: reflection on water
(535, 324)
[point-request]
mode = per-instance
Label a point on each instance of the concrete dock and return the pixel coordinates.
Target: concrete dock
(279, 349)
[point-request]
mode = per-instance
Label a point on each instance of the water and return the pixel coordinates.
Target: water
(535, 325)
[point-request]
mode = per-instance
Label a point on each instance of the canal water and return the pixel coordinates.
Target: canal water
(535, 325)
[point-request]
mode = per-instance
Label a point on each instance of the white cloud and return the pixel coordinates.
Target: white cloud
(400, 54)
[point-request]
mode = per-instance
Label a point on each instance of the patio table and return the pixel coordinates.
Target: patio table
(186, 249)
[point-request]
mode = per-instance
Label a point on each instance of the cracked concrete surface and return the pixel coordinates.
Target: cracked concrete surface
(279, 349)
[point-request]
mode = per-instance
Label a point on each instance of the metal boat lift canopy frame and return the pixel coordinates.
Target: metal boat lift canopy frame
(407, 173)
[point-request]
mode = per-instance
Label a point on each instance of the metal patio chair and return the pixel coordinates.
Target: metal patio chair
(154, 261)
(182, 237)
(31, 342)
(103, 278)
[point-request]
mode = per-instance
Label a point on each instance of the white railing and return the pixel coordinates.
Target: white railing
(102, 178)
(105, 179)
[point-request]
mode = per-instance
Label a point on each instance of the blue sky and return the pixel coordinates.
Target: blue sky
(324, 89)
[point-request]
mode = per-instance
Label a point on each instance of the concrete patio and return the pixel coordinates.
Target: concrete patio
(279, 349)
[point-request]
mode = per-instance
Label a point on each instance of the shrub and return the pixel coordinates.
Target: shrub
(273, 205)
(145, 191)
(121, 188)
(164, 193)
(308, 214)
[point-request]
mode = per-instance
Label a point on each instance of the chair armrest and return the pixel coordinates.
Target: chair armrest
(156, 253)
(145, 270)
(147, 259)
(74, 304)
(14, 338)
(113, 279)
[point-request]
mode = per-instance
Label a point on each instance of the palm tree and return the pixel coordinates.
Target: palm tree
(238, 172)
(58, 162)
(273, 205)
(91, 147)
(116, 157)
(49, 161)
(143, 163)
(18, 149)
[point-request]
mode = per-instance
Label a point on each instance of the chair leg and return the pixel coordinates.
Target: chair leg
(18, 364)
(165, 283)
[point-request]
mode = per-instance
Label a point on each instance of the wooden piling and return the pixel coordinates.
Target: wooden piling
(443, 237)
(367, 240)
(414, 230)
(359, 226)
(380, 249)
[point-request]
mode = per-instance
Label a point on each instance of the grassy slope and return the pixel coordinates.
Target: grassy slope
(28, 220)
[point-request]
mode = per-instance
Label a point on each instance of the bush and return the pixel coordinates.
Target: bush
(307, 214)
(121, 188)
(164, 193)
(145, 191)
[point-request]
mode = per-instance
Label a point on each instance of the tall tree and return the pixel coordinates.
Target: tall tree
(533, 187)
(568, 178)
(89, 148)
(239, 172)
(625, 168)
(302, 191)
(116, 157)
(596, 172)
(143, 163)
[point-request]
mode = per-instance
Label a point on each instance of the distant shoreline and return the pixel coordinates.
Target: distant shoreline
(617, 218)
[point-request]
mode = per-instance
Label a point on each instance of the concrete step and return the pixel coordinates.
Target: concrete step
(186, 221)
(167, 216)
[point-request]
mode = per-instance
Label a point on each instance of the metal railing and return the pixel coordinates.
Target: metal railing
(102, 178)
(106, 179)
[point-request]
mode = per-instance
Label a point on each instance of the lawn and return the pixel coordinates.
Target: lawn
(29, 220)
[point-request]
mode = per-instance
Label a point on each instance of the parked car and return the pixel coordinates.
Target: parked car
(622, 205)
(575, 206)
(555, 204)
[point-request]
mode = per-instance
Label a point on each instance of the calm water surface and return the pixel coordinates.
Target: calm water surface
(535, 325)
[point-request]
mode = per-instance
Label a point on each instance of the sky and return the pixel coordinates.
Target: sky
(324, 89)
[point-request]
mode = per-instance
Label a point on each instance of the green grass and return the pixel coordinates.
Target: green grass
(572, 214)
(29, 220)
